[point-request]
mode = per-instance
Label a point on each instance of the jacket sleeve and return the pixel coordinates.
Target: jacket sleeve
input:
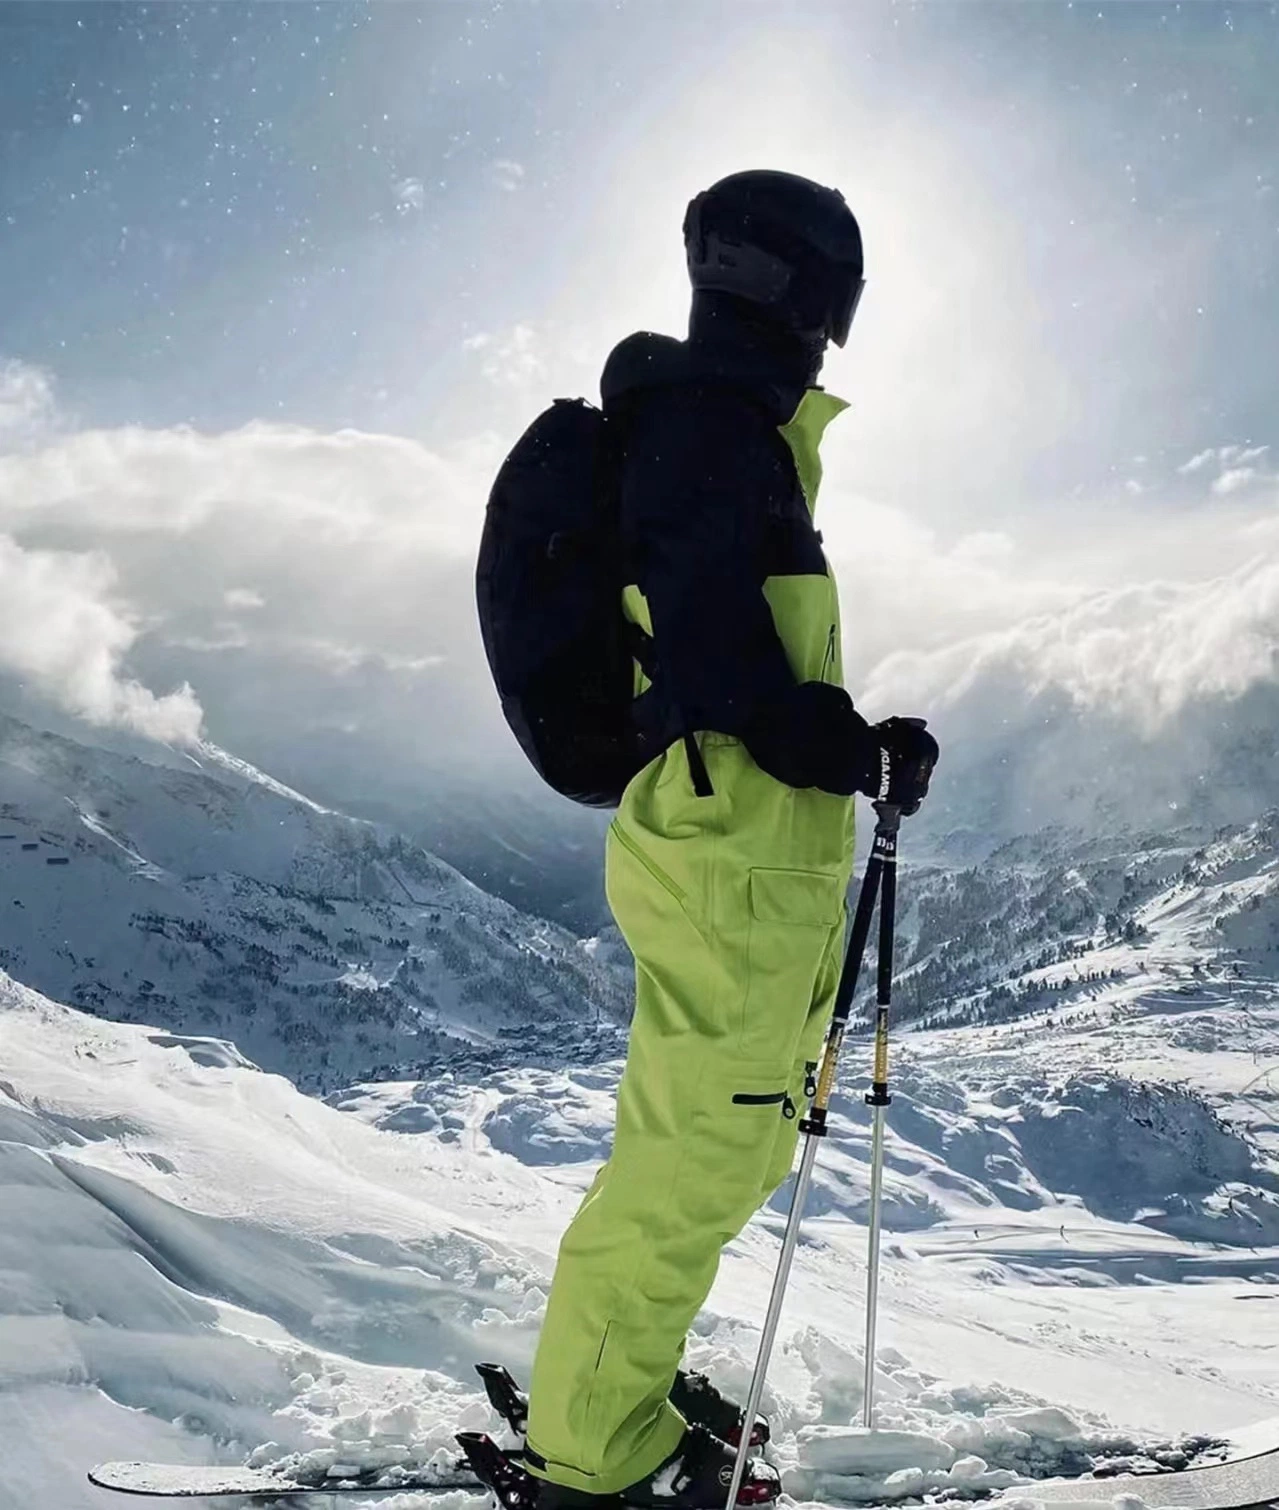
(700, 472)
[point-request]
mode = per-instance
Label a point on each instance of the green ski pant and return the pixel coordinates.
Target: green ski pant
(733, 906)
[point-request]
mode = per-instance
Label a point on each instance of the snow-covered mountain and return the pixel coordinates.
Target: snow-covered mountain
(1012, 764)
(201, 896)
(1017, 759)
(200, 1263)
(1047, 918)
(535, 849)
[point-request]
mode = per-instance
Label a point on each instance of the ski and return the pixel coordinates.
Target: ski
(484, 1466)
(189, 1481)
(1243, 1483)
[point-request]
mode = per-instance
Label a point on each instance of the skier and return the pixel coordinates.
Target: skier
(730, 854)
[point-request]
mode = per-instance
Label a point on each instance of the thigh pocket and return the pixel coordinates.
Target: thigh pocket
(617, 833)
(806, 898)
(736, 1129)
(656, 916)
(792, 913)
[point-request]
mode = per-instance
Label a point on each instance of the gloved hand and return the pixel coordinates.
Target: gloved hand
(816, 738)
(907, 755)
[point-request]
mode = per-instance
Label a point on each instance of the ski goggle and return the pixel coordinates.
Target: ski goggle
(841, 315)
(752, 273)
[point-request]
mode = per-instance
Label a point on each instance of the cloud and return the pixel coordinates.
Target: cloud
(410, 195)
(276, 482)
(514, 360)
(316, 590)
(506, 173)
(1238, 468)
(1233, 480)
(1142, 653)
(66, 628)
(60, 628)
(360, 552)
(1134, 607)
(901, 584)
(243, 597)
(27, 404)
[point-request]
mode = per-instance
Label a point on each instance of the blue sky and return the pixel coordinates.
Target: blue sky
(280, 282)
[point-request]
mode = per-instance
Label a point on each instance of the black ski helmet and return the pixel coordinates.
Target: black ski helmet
(782, 241)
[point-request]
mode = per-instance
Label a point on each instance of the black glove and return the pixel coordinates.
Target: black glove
(815, 737)
(907, 755)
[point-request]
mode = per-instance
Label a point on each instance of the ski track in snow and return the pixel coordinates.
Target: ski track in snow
(198, 1263)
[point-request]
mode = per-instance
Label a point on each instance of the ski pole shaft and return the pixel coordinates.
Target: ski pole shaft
(774, 1315)
(879, 1100)
(813, 1127)
(872, 1264)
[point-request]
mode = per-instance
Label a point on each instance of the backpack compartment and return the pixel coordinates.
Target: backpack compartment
(548, 588)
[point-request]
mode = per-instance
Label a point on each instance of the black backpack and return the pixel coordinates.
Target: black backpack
(549, 586)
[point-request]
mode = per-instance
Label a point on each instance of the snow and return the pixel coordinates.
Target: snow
(199, 1263)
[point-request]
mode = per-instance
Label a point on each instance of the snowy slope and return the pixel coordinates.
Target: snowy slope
(202, 896)
(1051, 917)
(197, 1260)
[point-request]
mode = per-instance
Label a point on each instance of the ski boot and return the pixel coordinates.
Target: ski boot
(701, 1404)
(696, 1476)
(693, 1395)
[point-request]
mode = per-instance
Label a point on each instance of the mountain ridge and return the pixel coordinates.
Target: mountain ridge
(221, 902)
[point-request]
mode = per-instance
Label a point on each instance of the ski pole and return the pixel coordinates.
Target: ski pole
(879, 1100)
(881, 866)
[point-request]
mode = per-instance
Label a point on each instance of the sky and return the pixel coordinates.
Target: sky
(280, 283)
